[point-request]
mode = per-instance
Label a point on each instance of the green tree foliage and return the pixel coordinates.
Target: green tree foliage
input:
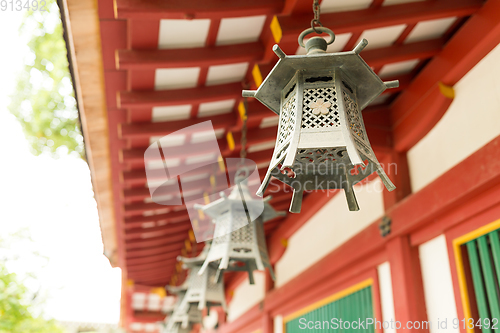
(44, 100)
(17, 303)
(15, 314)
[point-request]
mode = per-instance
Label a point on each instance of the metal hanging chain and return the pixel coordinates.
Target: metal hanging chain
(315, 22)
(243, 152)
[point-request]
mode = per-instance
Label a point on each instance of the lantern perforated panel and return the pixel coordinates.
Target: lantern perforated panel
(354, 117)
(327, 92)
(246, 245)
(309, 119)
(183, 317)
(204, 289)
(287, 122)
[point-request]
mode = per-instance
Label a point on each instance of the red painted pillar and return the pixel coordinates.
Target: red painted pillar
(396, 167)
(408, 291)
(267, 319)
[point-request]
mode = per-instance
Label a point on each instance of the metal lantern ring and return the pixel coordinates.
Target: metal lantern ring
(322, 142)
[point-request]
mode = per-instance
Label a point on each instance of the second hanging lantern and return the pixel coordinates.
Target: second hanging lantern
(322, 142)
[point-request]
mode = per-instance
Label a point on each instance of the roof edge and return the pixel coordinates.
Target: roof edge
(81, 32)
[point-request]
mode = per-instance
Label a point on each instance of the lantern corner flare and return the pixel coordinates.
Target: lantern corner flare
(321, 142)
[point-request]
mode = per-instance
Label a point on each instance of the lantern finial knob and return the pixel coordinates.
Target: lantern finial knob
(316, 44)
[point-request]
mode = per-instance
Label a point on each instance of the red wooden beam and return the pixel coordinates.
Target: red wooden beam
(154, 257)
(156, 241)
(195, 9)
(152, 250)
(161, 272)
(180, 58)
(158, 261)
(396, 53)
(138, 208)
(139, 221)
(139, 176)
(169, 229)
(145, 99)
(147, 317)
(419, 108)
(360, 20)
(147, 130)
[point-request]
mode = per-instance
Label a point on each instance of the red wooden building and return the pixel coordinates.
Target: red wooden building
(145, 69)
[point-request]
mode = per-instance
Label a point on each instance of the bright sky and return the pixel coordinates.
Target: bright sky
(54, 200)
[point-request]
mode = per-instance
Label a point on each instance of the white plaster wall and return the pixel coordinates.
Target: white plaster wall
(246, 296)
(472, 120)
(386, 295)
(278, 324)
(330, 227)
(438, 286)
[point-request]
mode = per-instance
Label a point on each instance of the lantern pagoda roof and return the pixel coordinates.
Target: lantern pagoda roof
(255, 206)
(368, 84)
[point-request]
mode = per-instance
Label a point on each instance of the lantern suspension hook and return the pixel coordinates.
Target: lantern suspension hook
(243, 142)
(316, 44)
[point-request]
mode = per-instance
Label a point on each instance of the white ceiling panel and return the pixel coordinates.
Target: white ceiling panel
(398, 68)
(170, 140)
(382, 37)
(240, 30)
(330, 6)
(430, 29)
(206, 135)
(175, 34)
(397, 2)
(158, 198)
(214, 108)
(176, 78)
(226, 73)
(138, 301)
(167, 113)
(201, 158)
(151, 327)
(160, 164)
(269, 122)
(154, 302)
(136, 326)
(261, 146)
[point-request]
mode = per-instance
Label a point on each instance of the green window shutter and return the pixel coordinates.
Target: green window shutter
(354, 307)
(484, 261)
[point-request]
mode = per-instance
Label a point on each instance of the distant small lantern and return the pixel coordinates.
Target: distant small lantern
(321, 135)
(239, 242)
(183, 318)
(177, 328)
(203, 289)
(180, 320)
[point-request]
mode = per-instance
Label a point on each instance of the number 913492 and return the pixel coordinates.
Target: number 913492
(19, 5)
(480, 323)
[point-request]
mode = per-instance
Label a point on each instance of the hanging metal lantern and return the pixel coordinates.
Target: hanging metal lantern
(321, 135)
(183, 316)
(177, 328)
(204, 290)
(243, 249)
